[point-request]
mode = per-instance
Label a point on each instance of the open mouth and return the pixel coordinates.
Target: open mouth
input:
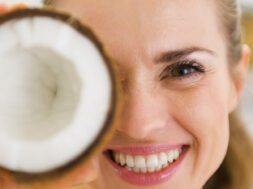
(146, 165)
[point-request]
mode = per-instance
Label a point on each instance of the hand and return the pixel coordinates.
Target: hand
(82, 180)
(5, 8)
(89, 174)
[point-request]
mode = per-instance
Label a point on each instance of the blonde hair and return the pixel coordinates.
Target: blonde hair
(229, 14)
(236, 171)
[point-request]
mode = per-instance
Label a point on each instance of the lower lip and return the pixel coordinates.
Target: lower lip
(147, 179)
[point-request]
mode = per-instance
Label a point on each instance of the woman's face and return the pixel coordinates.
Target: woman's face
(172, 58)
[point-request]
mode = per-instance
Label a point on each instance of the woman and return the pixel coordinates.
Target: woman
(184, 70)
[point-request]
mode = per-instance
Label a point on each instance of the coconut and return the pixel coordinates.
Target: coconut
(58, 95)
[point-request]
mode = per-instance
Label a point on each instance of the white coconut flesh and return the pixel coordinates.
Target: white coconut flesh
(55, 93)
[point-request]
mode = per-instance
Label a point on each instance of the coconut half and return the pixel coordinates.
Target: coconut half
(58, 94)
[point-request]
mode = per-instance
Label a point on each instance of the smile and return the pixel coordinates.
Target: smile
(148, 165)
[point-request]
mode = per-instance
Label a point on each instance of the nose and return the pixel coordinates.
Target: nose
(144, 110)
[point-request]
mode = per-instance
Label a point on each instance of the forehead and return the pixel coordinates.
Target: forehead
(148, 24)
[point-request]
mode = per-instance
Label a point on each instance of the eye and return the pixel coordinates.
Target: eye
(182, 70)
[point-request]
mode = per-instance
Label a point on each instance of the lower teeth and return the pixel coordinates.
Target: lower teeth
(145, 170)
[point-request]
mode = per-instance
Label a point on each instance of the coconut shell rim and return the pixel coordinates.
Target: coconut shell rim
(107, 130)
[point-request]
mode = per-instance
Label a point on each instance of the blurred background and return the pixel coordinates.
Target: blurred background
(246, 107)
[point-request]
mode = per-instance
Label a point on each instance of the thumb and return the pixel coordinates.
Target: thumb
(5, 8)
(85, 187)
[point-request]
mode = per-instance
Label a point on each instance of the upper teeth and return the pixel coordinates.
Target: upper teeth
(150, 163)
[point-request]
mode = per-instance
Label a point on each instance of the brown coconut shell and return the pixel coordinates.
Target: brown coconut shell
(63, 176)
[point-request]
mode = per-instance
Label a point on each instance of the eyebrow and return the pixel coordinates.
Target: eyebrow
(178, 54)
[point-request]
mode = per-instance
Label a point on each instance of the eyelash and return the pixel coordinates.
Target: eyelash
(198, 69)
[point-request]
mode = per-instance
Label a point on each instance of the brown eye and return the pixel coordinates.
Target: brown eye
(182, 70)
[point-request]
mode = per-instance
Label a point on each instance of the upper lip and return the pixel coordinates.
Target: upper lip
(146, 149)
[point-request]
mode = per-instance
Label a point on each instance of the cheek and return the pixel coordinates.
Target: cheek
(203, 113)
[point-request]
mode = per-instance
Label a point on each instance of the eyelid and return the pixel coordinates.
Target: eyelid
(191, 63)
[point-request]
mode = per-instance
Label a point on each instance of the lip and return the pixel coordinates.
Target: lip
(147, 179)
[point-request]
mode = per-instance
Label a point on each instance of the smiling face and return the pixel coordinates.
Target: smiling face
(178, 90)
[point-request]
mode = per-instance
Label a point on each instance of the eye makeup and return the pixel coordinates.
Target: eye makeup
(182, 69)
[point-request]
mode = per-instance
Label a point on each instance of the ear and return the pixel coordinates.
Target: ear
(238, 78)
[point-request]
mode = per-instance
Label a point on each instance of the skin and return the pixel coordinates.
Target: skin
(192, 109)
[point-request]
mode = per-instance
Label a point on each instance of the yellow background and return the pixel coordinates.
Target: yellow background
(247, 23)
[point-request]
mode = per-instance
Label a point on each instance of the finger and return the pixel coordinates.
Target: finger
(90, 174)
(3, 8)
(85, 187)
(87, 175)
(18, 6)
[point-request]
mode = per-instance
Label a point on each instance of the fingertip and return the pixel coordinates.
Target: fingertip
(3, 8)
(91, 176)
(18, 6)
